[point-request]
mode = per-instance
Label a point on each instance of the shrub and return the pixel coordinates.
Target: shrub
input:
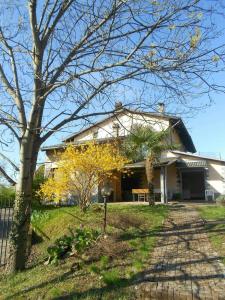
(98, 208)
(79, 241)
(83, 238)
(95, 269)
(79, 171)
(104, 261)
(59, 249)
(7, 196)
(39, 216)
(112, 278)
(38, 180)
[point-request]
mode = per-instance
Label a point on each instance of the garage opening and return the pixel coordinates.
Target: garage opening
(136, 180)
(193, 184)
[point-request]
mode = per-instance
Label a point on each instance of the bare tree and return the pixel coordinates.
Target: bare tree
(4, 172)
(6, 176)
(63, 61)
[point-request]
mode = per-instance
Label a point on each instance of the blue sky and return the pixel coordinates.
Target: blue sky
(208, 127)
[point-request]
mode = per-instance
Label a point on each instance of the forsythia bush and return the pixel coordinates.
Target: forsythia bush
(80, 170)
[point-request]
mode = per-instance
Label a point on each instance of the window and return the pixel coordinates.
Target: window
(116, 129)
(95, 134)
(52, 172)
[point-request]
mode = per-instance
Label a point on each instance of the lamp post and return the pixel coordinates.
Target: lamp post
(106, 192)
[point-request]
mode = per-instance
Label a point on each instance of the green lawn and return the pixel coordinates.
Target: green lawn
(107, 270)
(214, 215)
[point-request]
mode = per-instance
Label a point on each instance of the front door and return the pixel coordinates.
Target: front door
(193, 184)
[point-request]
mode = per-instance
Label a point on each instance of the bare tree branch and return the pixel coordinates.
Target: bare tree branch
(7, 177)
(9, 161)
(49, 30)
(16, 94)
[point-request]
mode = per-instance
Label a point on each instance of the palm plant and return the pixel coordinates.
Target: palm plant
(145, 144)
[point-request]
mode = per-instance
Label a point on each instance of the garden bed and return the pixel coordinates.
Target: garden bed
(114, 260)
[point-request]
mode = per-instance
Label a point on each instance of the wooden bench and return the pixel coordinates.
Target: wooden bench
(142, 194)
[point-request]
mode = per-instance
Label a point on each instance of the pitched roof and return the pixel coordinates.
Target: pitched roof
(115, 114)
(183, 134)
(175, 121)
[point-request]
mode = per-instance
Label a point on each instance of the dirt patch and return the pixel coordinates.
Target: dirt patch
(109, 246)
(125, 221)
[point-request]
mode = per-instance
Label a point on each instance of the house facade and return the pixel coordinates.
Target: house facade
(179, 174)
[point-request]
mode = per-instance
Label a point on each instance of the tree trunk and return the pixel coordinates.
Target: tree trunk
(18, 240)
(149, 168)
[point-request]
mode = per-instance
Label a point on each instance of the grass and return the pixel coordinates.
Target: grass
(107, 271)
(212, 212)
(214, 215)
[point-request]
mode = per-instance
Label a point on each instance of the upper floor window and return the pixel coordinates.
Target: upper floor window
(52, 172)
(116, 129)
(95, 134)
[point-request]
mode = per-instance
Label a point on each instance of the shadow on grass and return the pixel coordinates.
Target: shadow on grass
(146, 276)
(154, 273)
(126, 236)
(74, 216)
(138, 278)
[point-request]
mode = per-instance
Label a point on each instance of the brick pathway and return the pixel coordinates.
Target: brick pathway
(183, 264)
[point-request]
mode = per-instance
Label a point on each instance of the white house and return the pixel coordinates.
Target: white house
(179, 174)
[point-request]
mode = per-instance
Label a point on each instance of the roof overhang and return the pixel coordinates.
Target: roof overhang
(185, 137)
(160, 163)
(192, 164)
(79, 143)
(197, 157)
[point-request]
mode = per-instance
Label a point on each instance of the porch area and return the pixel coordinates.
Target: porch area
(173, 180)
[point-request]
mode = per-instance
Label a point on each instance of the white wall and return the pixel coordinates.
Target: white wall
(216, 176)
(125, 121)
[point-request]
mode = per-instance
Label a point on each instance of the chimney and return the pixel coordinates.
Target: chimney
(118, 105)
(161, 107)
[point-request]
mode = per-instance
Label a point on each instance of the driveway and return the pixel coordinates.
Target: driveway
(183, 264)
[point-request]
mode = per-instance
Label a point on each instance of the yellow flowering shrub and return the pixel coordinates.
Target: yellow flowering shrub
(80, 170)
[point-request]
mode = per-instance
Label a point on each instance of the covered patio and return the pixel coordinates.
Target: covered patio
(139, 187)
(174, 179)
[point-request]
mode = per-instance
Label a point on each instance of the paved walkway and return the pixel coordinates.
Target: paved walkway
(183, 264)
